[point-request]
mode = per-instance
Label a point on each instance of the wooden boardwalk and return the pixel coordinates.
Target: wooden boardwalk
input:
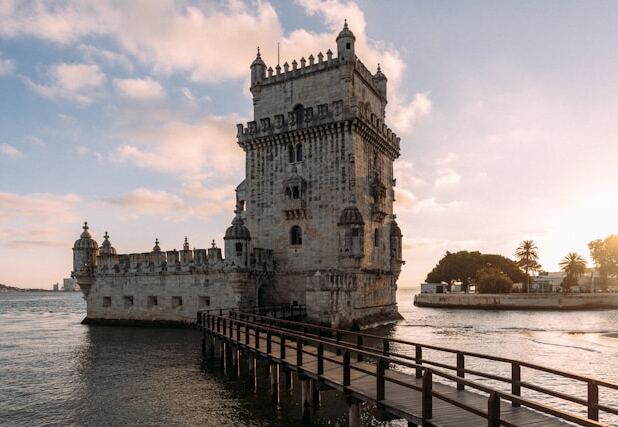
(368, 375)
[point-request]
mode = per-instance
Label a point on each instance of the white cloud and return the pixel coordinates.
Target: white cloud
(10, 151)
(447, 177)
(140, 89)
(7, 66)
(143, 201)
(431, 205)
(73, 82)
(93, 54)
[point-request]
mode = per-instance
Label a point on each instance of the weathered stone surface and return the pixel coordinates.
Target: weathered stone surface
(318, 150)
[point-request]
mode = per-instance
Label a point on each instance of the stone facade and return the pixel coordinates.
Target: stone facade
(314, 218)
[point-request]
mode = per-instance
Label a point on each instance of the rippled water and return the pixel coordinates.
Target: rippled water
(55, 371)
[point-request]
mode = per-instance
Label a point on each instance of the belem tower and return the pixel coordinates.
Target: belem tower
(313, 223)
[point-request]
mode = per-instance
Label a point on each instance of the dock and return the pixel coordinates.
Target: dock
(401, 384)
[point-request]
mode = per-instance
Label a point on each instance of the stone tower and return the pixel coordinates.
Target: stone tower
(319, 185)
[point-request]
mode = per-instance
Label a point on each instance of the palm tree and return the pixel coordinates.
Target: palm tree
(574, 265)
(528, 258)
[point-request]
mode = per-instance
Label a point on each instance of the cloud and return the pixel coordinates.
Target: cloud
(10, 151)
(139, 89)
(406, 174)
(431, 205)
(72, 82)
(143, 201)
(92, 54)
(35, 219)
(206, 148)
(447, 177)
(7, 66)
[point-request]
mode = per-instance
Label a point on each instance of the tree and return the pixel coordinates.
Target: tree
(492, 280)
(574, 265)
(463, 266)
(528, 258)
(604, 253)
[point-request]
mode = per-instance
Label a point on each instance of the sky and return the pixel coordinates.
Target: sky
(123, 114)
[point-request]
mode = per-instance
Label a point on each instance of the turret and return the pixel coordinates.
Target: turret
(237, 239)
(396, 243)
(258, 70)
(379, 80)
(351, 233)
(345, 44)
(85, 252)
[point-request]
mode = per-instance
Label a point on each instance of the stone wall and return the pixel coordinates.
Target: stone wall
(518, 301)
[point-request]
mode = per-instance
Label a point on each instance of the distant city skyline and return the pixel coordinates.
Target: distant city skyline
(124, 115)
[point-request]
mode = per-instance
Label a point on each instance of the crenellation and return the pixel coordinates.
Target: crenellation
(313, 221)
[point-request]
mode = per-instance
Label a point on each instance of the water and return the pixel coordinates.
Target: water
(55, 371)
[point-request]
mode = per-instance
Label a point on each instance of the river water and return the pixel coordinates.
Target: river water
(55, 371)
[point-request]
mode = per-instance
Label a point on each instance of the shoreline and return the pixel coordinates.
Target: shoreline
(548, 302)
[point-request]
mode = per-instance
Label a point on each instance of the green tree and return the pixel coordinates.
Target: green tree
(528, 258)
(574, 265)
(492, 280)
(604, 253)
(463, 266)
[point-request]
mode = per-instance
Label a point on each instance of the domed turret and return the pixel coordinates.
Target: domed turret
(85, 251)
(345, 43)
(351, 215)
(106, 246)
(396, 243)
(237, 239)
(258, 69)
(156, 247)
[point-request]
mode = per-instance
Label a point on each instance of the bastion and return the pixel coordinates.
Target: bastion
(314, 221)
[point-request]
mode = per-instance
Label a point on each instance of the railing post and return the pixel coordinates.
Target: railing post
(460, 369)
(237, 332)
(593, 401)
(282, 345)
(268, 342)
(338, 340)
(224, 327)
(426, 395)
(380, 382)
(493, 410)
(516, 382)
(320, 359)
(419, 361)
(257, 338)
(246, 334)
(299, 352)
(386, 345)
(218, 324)
(346, 368)
(359, 344)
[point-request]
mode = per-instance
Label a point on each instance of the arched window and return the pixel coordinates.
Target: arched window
(238, 249)
(288, 192)
(376, 237)
(296, 235)
(299, 114)
(299, 153)
(291, 154)
(295, 192)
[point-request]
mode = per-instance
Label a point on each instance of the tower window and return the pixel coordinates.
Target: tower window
(295, 192)
(347, 46)
(204, 301)
(299, 114)
(153, 301)
(107, 301)
(291, 154)
(128, 301)
(176, 302)
(299, 153)
(296, 235)
(376, 237)
(238, 249)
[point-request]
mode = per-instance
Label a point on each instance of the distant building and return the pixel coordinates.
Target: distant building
(69, 285)
(434, 288)
(551, 281)
(56, 286)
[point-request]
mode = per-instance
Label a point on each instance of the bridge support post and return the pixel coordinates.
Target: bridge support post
(354, 419)
(287, 378)
(251, 366)
(305, 393)
(274, 384)
(315, 394)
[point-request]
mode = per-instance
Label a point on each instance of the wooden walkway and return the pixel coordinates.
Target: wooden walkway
(368, 375)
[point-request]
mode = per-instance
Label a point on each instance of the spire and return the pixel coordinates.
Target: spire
(345, 25)
(185, 246)
(214, 245)
(85, 233)
(156, 248)
(106, 237)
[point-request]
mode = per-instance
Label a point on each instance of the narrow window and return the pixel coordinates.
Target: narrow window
(291, 154)
(347, 46)
(204, 302)
(128, 301)
(299, 153)
(107, 301)
(153, 301)
(176, 302)
(295, 192)
(296, 235)
(376, 237)
(238, 249)
(288, 192)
